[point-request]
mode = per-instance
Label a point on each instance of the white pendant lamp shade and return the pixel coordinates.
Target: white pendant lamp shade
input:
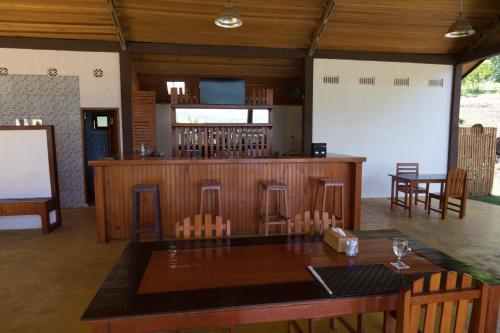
(461, 27)
(229, 17)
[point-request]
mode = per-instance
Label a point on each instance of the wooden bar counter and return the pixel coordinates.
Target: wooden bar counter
(180, 181)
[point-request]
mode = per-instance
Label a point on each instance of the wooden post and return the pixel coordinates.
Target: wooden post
(100, 204)
(307, 110)
(126, 94)
(356, 198)
(454, 117)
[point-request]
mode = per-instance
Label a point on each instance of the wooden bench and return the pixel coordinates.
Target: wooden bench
(33, 206)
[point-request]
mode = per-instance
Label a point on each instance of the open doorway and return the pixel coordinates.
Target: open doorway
(480, 107)
(101, 140)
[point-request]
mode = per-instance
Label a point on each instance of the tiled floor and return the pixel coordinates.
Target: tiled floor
(47, 281)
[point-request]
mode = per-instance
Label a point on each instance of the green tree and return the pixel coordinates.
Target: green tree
(481, 74)
(495, 62)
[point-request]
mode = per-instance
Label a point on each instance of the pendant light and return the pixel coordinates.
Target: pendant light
(461, 27)
(229, 17)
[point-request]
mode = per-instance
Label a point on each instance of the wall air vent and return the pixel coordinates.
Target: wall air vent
(4, 71)
(436, 83)
(402, 82)
(365, 80)
(331, 79)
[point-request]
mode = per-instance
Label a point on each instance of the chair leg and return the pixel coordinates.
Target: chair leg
(426, 196)
(219, 203)
(333, 325)
(361, 323)
(315, 197)
(389, 323)
(323, 201)
(201, 201)
(463, 202)
(444, 209)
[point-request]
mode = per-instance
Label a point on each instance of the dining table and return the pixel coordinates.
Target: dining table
(411, 181)
(208, 284)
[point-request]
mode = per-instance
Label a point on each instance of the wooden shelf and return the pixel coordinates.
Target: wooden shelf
(220, 106)
(220, 125)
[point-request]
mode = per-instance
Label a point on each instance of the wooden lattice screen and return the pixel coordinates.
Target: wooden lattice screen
(143, 119)
(476, 154)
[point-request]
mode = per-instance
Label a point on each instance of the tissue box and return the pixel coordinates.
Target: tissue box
(336, 241)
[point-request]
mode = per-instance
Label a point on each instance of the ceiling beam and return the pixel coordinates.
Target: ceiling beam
(478, 54)
(214, 50)
(484, 35)
(445, 59)
(58, 44)
(325, 16)
(116, 23)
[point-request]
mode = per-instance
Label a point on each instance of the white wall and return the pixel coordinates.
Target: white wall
(385, 123)
(25, 173)
(164, 129)
(287, 129)
(95, 92)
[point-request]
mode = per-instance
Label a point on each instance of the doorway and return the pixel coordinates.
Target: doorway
(101, 140)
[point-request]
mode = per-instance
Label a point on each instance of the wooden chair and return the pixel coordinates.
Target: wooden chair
(414, 300)
(205, 229)
(409, 169)
(310, 226)
(317, 225)
(455, 188)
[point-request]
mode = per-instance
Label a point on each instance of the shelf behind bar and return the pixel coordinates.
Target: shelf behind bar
(221, 106)
(220, 125)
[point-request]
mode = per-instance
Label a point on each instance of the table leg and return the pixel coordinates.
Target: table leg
(392, 193)
(410, 203)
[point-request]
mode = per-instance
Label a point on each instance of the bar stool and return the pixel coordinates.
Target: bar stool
(280, 217)
(334, 184)
(136, 209)
(211, 186)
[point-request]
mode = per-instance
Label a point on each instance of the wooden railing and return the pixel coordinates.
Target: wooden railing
(263, 97)
(222, 140)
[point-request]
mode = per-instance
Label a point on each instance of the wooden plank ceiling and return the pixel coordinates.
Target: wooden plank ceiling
(284, 76)
(359, 25)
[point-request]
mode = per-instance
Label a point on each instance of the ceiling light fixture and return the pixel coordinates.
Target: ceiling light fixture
(461, 27)
(229, 17)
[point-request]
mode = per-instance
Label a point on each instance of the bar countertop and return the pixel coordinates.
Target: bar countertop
(136, 159)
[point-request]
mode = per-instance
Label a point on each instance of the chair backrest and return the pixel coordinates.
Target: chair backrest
(205, 229)
(413, 301)
(406, 168)
(456, 183)
(307, 225)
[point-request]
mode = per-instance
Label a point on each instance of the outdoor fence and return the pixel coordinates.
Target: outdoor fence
(476, 154)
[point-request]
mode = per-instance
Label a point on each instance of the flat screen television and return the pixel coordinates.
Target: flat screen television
(222, 91)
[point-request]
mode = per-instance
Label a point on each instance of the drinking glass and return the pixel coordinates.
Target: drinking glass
(400, 248)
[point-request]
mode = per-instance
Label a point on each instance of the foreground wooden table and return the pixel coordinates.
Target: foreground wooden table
(169, 286)
(180, 181)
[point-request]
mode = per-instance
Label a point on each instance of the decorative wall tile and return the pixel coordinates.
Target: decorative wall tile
(4, 71)
(52, 72)
(55, 100)
(98, 73)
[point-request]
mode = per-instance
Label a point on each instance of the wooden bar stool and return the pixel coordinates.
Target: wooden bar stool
(136, 209)
(280, 217)
(334, 184)
(211, 186)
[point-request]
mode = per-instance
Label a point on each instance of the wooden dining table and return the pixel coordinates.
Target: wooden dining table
(412, 181)
(190, 285)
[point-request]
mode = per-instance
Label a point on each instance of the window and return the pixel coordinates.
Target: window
(180, 85)
(260, 116)
(100, 122)
(221, 116)
(213, 116)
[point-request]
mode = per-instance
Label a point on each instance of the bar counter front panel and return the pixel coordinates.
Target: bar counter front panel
(180, 183)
